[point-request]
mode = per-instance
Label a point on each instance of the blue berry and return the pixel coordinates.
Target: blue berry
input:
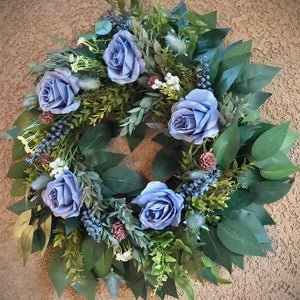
(92, 225)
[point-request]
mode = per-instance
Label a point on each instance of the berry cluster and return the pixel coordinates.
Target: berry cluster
(92, 225)
(58, 131)
(119, 22)
(203, 76)
(199, 185)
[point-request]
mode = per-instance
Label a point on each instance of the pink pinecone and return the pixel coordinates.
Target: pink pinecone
(118, 231)
(207, 161)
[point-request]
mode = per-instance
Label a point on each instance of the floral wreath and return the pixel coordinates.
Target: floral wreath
(218, 165)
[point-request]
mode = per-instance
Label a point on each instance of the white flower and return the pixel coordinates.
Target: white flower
(126, 256)
(58, 167)
(80, 40)
(71, 58)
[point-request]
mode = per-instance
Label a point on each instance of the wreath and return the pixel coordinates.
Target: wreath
(166, 73)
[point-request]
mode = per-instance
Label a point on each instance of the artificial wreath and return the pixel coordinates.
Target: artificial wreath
(166, 72)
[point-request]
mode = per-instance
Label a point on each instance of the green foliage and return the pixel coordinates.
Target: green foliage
(19, 207)
(12, 133)
(227, 145)
(16, 171)
(18, 150)
(73, 259)
(103, 27)
(238, 238)
(122, 180)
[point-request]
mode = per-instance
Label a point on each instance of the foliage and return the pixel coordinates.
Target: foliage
(221, 200)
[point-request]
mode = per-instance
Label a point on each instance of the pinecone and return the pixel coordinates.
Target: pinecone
(44, 158)
(46, 117)
(118, 231)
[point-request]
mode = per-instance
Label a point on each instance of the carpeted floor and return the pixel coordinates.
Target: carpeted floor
(273, 25)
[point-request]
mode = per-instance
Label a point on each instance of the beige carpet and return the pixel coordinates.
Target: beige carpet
(274, 27)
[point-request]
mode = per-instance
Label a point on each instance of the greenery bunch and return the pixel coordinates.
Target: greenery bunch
(221, 217)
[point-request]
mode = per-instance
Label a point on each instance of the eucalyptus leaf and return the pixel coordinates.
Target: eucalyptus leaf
(238, 238)
(57, 272)
(269, 191)
(26, 119)
(18, 188)
(279, 158)
(17, 170)
(278, 171)
(103, 265)
(122, 180)
(87, 287)
(136, 137)
(288, 141)
(12, 133)
(260, 213)
(18, 150)
(269, 142)
(103, 27)
(71, 224)
(227, 146)
(186, 286)
(253, 78)
(166, 163)
(19, 207)
(95, 138)
(214, 249)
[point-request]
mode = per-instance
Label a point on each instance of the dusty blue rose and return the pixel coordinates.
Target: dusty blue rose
(195, 117)
(123, 58)
(161, 207)
(56, 91)
(63, 196)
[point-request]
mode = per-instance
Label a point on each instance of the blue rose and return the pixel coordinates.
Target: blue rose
(63, 196)
(161, 207)
(195, 117)
(123, 58)
(56, 91)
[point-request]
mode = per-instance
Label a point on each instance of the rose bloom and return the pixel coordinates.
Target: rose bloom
(161, 207)
(56, 91)
(124, 60)
(63, 196)
(195, 117)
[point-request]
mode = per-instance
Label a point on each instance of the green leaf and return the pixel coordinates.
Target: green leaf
(279, 171)
(279, 158)
(236, 51)
(87, 288)
(214, 64)
(208, 275)
(238, 238)
(226, 80)
(88, 36)
(256, 99)
(214, 249)
(269, 142)
(250, 220)
(169, 288)
(91, 252)
(18, 150)
(104, 160)
(194, 19)
(136, 137)
(238, 199)
(166, 163)
(269, 191)
(122, 180)
(103, 265)
(250, 177)
(253, 78)
(18, 188)
(227, 146)
(26, 119)
(17, 170)
(46, 227)
(38, 241)
(186, 286)
(19, 207)
(103, 27)
(71, 224)
(12, 133)
(212, 39)
(260, 213)
(288, 142)
(57, 272)
(95, 138)
(167, 141)
(238, 260)
(210, 19)
(97, 255)
(26, 241)
(121, 4)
